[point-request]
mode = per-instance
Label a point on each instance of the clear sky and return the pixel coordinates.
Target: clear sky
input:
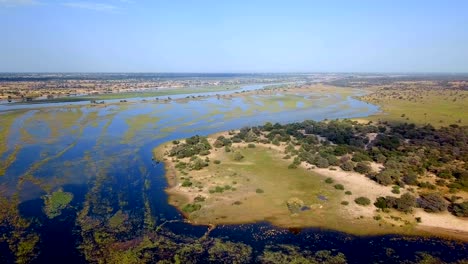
(233, 36)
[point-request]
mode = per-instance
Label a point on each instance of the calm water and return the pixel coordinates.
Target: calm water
(106, 152)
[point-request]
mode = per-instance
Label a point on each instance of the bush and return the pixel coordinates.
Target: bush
(259, 191)
(411, 178)
(205, 152)
(321, 163)
(344, 202)
(198, 164)
(364, 201)
(190, 208)
(216, 161)
(427, 185)
(385, 177)
(187, 183)
(199, 198)
(405, 203)
(396, 189)
(432, 202)
(238, 156)
(339, 186)
(359, 156)
(381, 203)
(251, 145)
(292, 166)
(329, 180)
(347, 166)
(348, 193)
(459, 209)
(362, 167)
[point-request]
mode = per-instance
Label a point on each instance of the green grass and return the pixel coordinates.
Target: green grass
(435, 107)
(273, 184)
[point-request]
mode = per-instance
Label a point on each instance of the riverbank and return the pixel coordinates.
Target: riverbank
(261, 187)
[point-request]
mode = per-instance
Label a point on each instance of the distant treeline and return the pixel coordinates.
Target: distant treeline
(389, 79)
(20, 77)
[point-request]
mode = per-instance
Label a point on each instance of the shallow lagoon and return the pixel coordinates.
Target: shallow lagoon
(103, 156)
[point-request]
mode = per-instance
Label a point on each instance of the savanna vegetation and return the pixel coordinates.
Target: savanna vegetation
(426, 167)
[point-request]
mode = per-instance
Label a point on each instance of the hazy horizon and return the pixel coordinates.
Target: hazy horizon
(123, 36)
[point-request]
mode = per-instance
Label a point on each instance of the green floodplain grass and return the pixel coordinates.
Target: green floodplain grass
(259, 189)
(438, 108)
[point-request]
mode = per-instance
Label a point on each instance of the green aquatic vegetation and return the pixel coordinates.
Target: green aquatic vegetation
(5, 128)
(27, 248)
(229, 252)
(4, 164)
(40, 163)
(138, 123)
(118, 219)
(57, 201)
(16, 230)
(294, 254)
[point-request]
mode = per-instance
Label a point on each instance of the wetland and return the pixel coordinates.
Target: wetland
(79, 183)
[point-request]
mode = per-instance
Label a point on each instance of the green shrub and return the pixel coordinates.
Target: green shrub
(205, 152)
(344, 202)
(432, 202)
(199, 199)
(364, 201)
(396, 189)
(259, 191)
(187, 183)
(339, 186)
(322, 163)
(362, 167)
(459, 209)
(217, 162)
(251, 145)
(348, 193)
(347, 166)
(329, 180)
(405, 203)
(190, 208)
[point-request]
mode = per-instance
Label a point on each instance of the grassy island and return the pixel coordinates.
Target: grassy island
(342, 175)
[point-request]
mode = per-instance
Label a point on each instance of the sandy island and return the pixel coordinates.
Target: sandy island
(260, 187)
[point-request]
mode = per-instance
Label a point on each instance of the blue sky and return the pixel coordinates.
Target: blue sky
(233, 36)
